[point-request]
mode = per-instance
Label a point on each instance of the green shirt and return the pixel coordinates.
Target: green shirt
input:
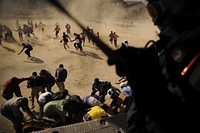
(55, 108)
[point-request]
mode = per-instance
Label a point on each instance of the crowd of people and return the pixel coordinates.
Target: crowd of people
(59, 106)
(27, 30)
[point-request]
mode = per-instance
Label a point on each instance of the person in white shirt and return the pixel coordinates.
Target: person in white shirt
(42, 100)
(78, 42)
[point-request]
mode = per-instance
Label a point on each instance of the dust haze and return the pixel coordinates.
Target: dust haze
(83, 10)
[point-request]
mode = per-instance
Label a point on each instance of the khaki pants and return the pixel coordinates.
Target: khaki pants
(60, 85)
(35, 90)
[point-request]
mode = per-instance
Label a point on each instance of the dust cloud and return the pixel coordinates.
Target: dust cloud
(84, 10)
(104, 10)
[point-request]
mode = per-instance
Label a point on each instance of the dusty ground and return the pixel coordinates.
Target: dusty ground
(49, 53)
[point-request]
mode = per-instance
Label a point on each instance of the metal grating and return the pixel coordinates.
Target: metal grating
(113, 124)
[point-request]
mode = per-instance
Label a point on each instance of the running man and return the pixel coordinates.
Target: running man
(20, 33)
(68, 28)
(78, 42)
(41, 26)
(57, 30)
(111, 37)
(28, 48)
(83, 35)
(65, 40)
(115, 36)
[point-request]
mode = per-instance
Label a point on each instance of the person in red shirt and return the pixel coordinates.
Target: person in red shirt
(115, 36)
(12, 86)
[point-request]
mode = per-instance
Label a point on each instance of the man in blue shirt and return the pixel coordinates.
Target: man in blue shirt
(28, 48)
(127, 91)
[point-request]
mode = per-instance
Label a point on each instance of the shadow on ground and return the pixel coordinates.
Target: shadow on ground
(87, 53)
(8, 49)
(34, 60)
